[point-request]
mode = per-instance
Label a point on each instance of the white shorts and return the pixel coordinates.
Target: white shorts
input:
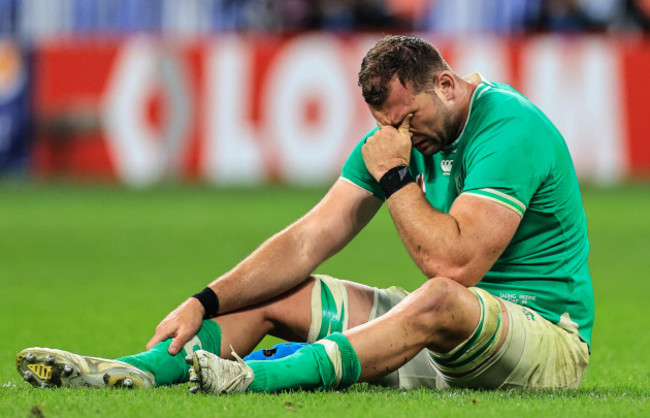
(513, 346)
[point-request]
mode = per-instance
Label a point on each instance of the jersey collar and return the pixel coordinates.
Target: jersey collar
(484, 86)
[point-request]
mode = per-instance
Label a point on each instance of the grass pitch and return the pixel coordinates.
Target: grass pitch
(93, 270)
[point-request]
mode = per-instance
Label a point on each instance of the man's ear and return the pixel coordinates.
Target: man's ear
(445, 83)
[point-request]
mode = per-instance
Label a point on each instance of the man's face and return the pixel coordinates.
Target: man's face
(434, 124)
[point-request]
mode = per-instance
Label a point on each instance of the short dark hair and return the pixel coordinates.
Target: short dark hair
(411, 59)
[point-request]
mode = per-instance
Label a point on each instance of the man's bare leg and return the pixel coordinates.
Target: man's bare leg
(288, 316)
(440, 315)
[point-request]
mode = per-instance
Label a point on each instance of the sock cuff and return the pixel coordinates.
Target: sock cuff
(209, 337)
(350, 366)
(260, 382)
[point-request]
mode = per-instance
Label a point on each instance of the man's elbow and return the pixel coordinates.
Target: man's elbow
(459, 270)
(313, 243)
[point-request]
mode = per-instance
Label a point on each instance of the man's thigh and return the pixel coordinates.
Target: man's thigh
(553, 356)
(513, 347)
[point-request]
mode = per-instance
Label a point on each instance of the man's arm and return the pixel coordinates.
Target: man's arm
(462, 244)
(281, 263)
(287, 258)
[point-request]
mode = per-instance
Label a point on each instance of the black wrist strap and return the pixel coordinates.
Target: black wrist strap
(210, 302)
(395, 179)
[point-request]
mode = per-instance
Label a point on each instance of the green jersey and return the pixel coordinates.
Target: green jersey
(510, 153)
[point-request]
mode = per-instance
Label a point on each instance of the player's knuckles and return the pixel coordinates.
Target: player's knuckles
(366, 150)
(163, 326)
(388, 131)
(374, 142)
(370, 141)
(164, 332)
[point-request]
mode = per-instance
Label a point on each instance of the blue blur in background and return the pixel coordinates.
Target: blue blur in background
(15, 113)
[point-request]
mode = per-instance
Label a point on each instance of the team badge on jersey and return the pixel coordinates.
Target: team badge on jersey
(446, 166)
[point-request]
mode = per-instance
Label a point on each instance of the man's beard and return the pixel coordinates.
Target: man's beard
(451, 128)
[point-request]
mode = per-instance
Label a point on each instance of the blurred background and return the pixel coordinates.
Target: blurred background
(240, 92)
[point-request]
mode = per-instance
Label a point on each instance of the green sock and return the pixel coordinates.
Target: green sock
(350, 365)
(310, 367)
(169, 369)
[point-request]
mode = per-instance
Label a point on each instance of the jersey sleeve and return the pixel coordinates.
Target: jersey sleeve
(354, 170)
(507, 164)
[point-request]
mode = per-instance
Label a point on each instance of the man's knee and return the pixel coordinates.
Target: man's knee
(437, 297)
(444, 311)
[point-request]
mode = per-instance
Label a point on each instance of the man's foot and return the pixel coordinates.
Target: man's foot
(46, 367)
(212, 374)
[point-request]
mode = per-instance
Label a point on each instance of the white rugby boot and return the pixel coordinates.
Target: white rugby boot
(212, 374)
(47, 367)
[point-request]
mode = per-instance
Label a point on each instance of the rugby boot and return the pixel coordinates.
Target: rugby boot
(47, 367)
(212, 374)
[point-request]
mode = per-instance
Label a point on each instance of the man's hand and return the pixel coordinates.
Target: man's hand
(181, 324)
(388, 148)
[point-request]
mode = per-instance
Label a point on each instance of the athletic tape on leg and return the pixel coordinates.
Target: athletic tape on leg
(329, 307)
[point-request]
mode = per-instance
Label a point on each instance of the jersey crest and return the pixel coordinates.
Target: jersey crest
(446, 166)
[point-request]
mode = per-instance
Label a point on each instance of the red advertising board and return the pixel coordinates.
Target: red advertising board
(635, 80)
(242, 110)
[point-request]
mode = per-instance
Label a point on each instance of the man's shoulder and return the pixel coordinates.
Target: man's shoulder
(500, 99)
(500, 114)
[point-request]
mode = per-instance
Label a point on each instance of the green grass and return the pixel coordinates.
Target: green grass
(93, 270)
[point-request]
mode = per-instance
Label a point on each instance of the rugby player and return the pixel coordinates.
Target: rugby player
(484, 196)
